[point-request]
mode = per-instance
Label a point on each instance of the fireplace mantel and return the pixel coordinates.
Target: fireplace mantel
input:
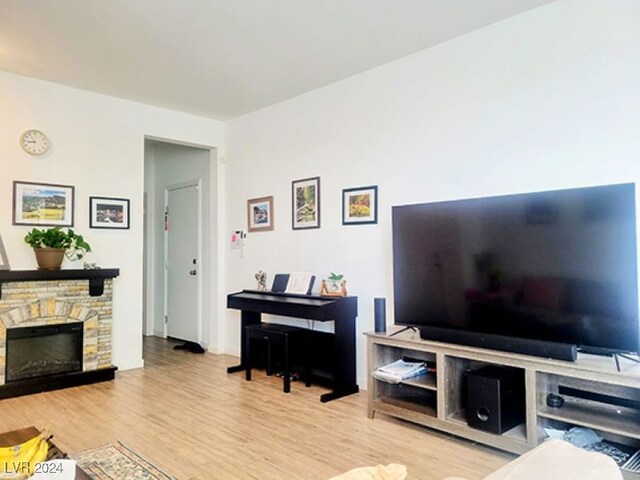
(96, 277)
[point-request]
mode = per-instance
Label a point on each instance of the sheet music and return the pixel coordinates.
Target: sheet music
(298, 282)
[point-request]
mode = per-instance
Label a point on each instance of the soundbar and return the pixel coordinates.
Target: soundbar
(525, 346)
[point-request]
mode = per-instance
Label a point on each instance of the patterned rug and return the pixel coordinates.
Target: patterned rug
(117, 462)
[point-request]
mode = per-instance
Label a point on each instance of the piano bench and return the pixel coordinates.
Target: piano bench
(275, 333)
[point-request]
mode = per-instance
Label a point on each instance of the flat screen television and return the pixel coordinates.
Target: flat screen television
(555, 266)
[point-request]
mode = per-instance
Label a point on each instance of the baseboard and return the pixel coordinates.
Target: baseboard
(215, 350)
(130, 365)
(235, 352)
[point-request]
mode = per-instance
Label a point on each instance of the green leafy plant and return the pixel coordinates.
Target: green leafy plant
(335, 277)
(74, 245)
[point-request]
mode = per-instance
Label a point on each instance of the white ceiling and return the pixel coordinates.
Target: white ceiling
(223, 58)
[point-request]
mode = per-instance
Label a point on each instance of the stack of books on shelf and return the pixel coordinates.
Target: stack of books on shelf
(400, 370)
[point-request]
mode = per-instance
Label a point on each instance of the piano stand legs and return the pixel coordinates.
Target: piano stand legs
(338, 393)
(236, 368)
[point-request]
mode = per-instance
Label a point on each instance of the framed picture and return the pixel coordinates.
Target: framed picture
(105, 212)
(360, 205)
(42, 204)
(305, 203)
(4, 261)
(260, 214)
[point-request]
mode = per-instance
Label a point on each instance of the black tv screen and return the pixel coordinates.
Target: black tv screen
(556, 266)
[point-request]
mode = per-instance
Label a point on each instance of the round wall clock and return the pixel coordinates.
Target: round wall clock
(34, 142)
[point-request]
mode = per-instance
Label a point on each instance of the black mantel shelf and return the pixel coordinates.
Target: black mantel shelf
(96, 277)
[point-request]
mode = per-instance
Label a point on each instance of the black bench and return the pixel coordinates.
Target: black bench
(275, 333)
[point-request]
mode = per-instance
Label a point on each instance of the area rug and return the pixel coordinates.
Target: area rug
(117, 462)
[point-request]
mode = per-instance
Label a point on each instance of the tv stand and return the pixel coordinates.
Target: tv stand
(437, 400)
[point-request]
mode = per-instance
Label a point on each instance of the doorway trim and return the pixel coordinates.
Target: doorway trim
(213, 294)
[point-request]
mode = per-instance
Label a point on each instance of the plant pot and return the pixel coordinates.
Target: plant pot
(333, 288)
(49, 258)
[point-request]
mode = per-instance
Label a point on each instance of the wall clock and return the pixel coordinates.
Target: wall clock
(34, 142)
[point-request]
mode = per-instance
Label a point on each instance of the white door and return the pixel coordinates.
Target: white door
(182, 308)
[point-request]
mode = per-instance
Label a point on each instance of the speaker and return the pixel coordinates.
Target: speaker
(537, 348)
(495, 399)
(379, 315)
(618, 401)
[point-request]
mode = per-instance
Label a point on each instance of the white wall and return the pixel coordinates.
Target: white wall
(97, 146)
(547, 99)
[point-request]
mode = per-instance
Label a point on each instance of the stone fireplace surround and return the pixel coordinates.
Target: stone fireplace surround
(37, 298)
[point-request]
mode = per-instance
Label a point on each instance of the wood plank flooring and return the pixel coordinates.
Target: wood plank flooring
(184, 413)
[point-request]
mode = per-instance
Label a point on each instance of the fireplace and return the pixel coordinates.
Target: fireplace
(44, 350)
(55, 329)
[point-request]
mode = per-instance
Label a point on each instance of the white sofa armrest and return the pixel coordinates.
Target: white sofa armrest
(558, 459)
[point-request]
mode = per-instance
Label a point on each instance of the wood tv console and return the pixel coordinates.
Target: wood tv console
(437, 400)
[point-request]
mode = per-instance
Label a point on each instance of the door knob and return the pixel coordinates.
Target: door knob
(192, 272)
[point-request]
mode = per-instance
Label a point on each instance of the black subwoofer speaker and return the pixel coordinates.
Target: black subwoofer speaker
(495, 399)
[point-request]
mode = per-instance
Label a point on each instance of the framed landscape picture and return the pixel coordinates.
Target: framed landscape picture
(260, 214)
(105, 212)
(360, 205)
(42, 204)
(305, 203)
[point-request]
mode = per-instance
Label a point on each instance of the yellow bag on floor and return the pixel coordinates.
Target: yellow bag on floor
(19, 461)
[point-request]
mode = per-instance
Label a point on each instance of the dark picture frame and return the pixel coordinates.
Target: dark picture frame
(360, 205)
(43, 204)
(260, 214)
(108, 212)
(305, 203)
(4, 261)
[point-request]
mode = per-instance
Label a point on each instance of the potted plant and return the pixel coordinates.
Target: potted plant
(51, 245)
(334, 285)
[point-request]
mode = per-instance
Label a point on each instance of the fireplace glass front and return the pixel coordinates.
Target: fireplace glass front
(42, 351)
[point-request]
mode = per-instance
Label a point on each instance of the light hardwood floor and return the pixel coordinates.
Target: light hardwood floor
(184, 413)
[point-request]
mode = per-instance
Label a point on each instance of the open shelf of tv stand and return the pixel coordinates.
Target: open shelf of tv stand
(437, 401)
(591, 416)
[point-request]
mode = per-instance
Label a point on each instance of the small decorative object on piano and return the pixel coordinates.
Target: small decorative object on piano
(261, 277)
(334, 286)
